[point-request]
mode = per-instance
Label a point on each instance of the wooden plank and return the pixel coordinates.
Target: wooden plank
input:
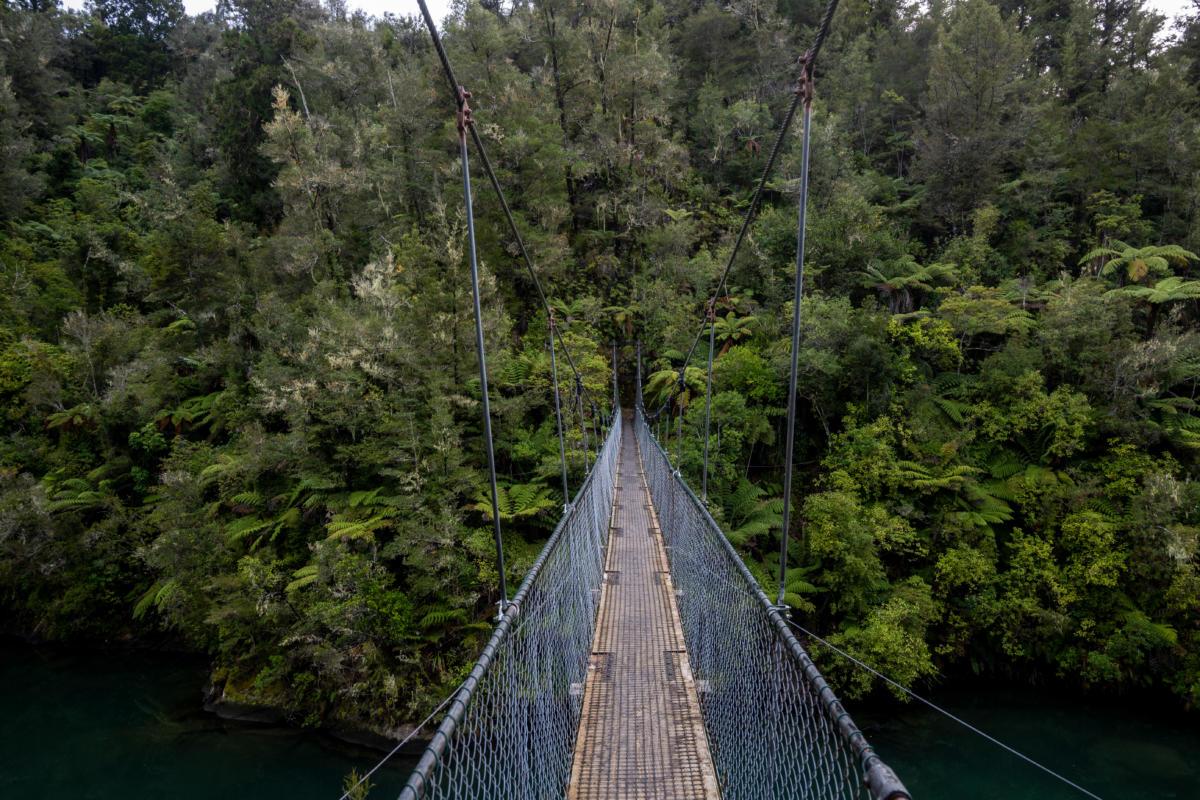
(641, 736)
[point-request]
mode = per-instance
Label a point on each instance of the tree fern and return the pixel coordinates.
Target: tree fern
(312, 491)
(84, 415)
(1137, 263)
(953, 383)
(954, 410)
(78, 494)
(305, 576)
(157, 596)
(242, 527)
(952, 477)
(344, 528)
(516, 501)
(979, 508)
(1005, 463)
(247, 498)
(440, 617)
(750, 515)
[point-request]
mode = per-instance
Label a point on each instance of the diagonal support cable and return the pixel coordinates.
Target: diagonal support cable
(807, 63)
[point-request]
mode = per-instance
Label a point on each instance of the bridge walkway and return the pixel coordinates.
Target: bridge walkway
(641, 736)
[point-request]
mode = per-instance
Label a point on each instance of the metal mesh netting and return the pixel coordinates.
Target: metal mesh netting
(775, 729)
(510, 731)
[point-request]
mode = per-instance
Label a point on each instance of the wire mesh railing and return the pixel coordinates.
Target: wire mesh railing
(775, 728)
(510, 731)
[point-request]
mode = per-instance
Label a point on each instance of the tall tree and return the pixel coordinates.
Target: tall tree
(974, 111)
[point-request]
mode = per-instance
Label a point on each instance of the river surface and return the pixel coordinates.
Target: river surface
(129, 726)
(103, 726)
(1117, 750)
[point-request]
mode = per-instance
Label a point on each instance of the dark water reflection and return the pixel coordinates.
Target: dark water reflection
(101, 726)
(1122, 751)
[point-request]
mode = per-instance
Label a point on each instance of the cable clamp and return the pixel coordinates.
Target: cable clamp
(805, 87)
(464, 110)
(502, 608)
(783, 609)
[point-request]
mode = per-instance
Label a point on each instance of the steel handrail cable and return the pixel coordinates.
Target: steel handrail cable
(512, 618)
(883, 782)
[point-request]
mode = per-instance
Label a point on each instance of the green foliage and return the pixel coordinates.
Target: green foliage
(238, 385)
(1136, 264)
(516, 501)
(356, 787)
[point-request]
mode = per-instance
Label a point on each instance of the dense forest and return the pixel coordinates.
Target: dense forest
(238, 387)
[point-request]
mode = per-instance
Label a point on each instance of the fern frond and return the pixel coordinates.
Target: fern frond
(440, 617)
(305, 576)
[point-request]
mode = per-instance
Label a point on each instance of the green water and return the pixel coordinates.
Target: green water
(1119, 751)
(102, 726)
(129, 725)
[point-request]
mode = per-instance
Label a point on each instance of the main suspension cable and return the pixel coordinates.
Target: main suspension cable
(491, 173)
(807, 62)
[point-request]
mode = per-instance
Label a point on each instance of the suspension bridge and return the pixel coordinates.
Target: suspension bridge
(640, 659)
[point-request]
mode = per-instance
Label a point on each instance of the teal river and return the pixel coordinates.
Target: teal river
(129, 726)
(1118, 751)
(102, 726)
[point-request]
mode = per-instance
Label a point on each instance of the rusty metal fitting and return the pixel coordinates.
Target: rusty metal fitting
(464, 110)
(805, 87)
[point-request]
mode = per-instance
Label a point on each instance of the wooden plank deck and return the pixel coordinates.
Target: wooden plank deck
(641, 736)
